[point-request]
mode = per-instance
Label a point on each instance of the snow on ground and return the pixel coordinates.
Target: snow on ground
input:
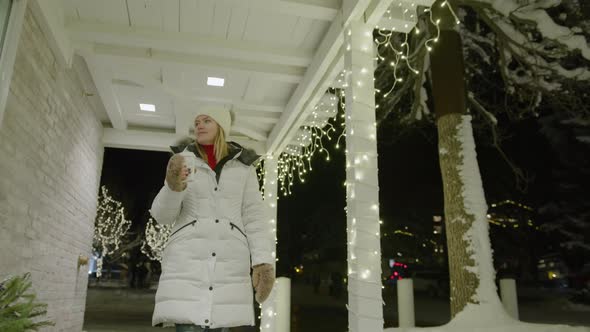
(125, 310)
(476, 318)
(513, 327)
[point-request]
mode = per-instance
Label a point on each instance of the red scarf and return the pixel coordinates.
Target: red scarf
(210, 150)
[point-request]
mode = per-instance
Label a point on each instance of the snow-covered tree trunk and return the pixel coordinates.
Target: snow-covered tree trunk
(463, 281)
(472, 275)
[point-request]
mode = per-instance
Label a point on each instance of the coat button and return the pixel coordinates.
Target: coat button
(216, 221)
(206, 321)
(215, 189)
(213, 254)
(210, 288)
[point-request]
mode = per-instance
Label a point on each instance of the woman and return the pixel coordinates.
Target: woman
(221, 230)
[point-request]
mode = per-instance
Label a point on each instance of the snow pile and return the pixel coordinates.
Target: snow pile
(515, 326)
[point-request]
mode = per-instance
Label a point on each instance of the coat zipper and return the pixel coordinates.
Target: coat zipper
(192, 223)
(238, 228)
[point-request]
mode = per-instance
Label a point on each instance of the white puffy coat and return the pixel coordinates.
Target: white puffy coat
(221, 229)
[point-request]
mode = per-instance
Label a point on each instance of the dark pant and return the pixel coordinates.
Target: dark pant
(195, 328)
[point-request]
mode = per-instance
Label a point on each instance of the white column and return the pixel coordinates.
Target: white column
(509, 297)
(268, 310)
(283, 305)
(405, 303)
(365, 303)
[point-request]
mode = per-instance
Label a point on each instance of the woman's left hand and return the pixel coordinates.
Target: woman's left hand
(263, 279)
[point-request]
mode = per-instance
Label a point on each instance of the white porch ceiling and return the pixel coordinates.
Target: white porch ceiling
(277, 58)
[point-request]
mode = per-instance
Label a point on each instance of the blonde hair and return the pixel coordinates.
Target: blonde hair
(220, 147)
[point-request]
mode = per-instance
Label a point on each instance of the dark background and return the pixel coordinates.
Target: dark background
(313, 217)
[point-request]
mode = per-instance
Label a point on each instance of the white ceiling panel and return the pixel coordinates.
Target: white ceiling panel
(70, 10)
(193, 81)
(316, 34)
(147, 14)
(222, 14)
(130, 97)
(147, 121)
(196, 16)
(132, 69)
(162, 51)
(300, 31)
(237, 24)
(204, 17)
(280, 92)
(188, 18)
(104, 11)
(257, 88)
(151, 121)
(170, 15)
(270, 27)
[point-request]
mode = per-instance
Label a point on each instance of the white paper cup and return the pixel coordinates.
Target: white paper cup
(190, 161)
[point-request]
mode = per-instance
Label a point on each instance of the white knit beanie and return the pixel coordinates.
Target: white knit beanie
(219, 114)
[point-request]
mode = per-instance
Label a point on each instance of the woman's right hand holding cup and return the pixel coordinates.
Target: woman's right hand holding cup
(176, 173)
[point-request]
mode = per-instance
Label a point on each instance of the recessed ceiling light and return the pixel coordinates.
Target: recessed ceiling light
(215, 81)
(147, 107)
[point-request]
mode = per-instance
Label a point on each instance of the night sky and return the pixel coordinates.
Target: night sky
(134, 177)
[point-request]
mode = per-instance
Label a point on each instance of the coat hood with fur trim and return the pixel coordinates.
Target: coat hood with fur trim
(247, 157)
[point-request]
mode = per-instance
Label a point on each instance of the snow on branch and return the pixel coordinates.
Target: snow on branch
(535, 13)
(531, 35)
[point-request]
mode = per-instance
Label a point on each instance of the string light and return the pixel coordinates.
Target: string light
(269, 183)
(156, 237)
(109, 227)
(445, 3)
(388, 35)
(364, 259)
(295, 161)
(436, 24)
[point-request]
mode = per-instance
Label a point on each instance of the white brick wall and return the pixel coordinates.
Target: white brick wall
(50, 164)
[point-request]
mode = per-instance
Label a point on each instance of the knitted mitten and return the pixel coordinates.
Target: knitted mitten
(263, 279)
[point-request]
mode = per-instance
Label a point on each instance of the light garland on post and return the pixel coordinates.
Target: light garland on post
(400, 20)
(365, 303)
(270, 185)
(110, 226)
(295, 161)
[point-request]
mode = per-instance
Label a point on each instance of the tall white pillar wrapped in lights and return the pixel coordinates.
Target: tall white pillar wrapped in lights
(268, 311)
(365, 303)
